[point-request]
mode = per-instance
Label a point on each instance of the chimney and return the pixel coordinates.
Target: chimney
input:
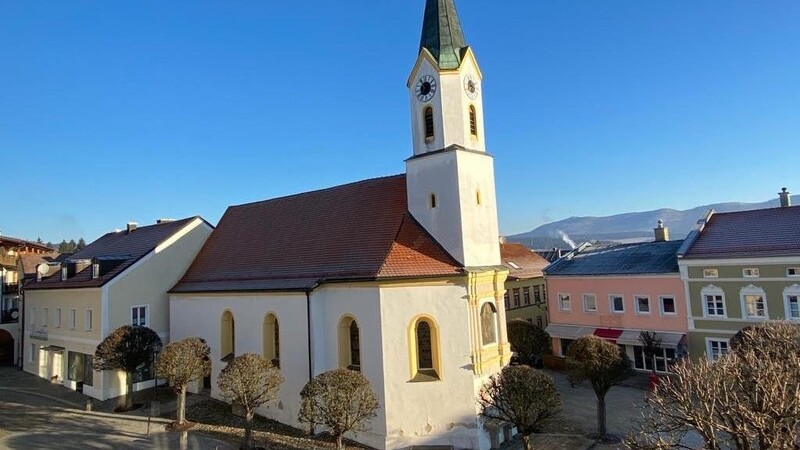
(662, 232)
(786, 200)
(131, 227)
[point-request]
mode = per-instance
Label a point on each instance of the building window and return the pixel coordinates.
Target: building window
(750, 272)
(516, 297)
(506, 299)
(272, 340)
(64, 273)
(710, 273)
(661, 361)
(87, 320)
(227, 347)
(793, 271)
(642, 304)
(95, 271)
(668, 305)
(44, 317)
(424, 339)
(716, 348)
(754, 304)
(537, 295)
(57, 319)
(32, 353)
(349, 344)
(473, 121)
(33, 316)
(79, 368)
(590, 302)
(539, 322)
(617, 303)
(526, 295)
(429, 123)
(72, 315)
(489, 323)
(478, 198)
(713, 301)
(433, 201)
(564, 302)
(565, 343)
(139, 316)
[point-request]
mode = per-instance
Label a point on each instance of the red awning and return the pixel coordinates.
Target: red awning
(608, 333)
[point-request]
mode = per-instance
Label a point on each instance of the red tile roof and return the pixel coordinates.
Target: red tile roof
(31, 260)
(123, 246)
(351, 232)
(528, 263)
(756, 233)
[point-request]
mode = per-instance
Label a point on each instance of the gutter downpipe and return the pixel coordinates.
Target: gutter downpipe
(310, 358)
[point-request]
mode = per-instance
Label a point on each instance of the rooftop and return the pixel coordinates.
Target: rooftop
(620, 259)
(522, 262)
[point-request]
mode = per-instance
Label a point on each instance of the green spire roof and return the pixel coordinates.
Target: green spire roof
(442, 34)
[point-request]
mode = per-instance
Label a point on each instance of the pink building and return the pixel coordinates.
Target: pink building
(617, 291)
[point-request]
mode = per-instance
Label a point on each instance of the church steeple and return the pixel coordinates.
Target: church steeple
(442, 34)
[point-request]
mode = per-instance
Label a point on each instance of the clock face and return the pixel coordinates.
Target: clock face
(471, 86)
(426, 88)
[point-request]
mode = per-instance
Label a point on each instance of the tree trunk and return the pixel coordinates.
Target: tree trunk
(339, 442)
(601, 417)
(129, 391)
(182, 406)
(248, 430)
(527, 441)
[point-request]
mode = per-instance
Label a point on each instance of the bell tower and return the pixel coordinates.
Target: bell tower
(450, 177)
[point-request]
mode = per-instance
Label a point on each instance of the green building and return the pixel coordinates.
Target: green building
(526, 297)
(740, 269)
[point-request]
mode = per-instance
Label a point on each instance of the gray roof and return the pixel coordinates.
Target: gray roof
(620, 259)
(442, 34)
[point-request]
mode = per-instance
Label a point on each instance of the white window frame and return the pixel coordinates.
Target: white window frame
(146, 315)
(73, 314)
(710, 273)
(32, 352)
(796, 271)
(611, 305)
(752, 271)
(791, 291)
(715, 291)
(674, 305)
(751, 290)
(57, 320)
(561, 298)
(33, 316)
(636, 299)
(710, 353)
(88, 317)
(586, 308)
(45, 312)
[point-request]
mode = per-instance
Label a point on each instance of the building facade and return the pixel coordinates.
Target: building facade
(526, 292)
(616, 292)
(120, 279)
(740, 269)
(397, 277)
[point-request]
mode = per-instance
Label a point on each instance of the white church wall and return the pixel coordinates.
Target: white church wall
(481, 235)
(199, 315)
(437, 412)
(329, 305)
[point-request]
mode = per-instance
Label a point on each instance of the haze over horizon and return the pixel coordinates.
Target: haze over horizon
(120, 112)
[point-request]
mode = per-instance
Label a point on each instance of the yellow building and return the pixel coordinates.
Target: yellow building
(526, 296)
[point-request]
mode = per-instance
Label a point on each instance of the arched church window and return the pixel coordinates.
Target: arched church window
(272, 340)
(227, 337)
(473, 121)
(488, 324)
(349, 344)
(429, 133)
(478, 198)
(425, 350)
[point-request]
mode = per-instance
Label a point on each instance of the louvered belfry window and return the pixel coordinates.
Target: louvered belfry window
(429, 123)
(473, 121)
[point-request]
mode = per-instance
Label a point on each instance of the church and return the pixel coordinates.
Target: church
(398, 277)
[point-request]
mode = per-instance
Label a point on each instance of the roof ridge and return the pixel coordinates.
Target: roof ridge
(325, 189)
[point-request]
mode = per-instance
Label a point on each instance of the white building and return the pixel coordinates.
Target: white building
(120, 279)
(397, 277)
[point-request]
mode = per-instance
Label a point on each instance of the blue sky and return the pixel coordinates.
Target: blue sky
(130, 111)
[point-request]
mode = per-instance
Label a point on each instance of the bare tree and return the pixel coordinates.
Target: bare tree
(604, 365)
(181, 363)
(520, 395)
(528, 340)
(128, 349)
(341, 400)
(250, 381)
(748, 399)
(651, 346)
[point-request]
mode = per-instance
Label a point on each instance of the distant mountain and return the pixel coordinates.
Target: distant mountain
(627, 227)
